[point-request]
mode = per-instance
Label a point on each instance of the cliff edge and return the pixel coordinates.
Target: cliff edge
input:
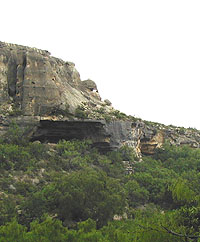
(47, 94)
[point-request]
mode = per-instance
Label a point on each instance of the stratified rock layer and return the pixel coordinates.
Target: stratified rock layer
(47, 94)
(37, 83)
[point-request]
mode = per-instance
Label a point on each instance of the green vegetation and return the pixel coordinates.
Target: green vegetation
(70, 192)
(64, 112)
(81, 113)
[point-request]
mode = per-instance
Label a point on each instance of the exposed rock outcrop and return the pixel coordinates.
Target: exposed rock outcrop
(47, 94)
(36, 83)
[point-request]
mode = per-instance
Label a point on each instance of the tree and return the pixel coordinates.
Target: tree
(12, 232)
(86, 194)
(47, 231)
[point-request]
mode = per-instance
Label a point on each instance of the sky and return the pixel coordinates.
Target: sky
(144, 55)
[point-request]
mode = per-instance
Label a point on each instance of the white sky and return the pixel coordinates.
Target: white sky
(144, 55)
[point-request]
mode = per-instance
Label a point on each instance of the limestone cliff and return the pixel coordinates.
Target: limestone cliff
(37, 84)
(46, 93)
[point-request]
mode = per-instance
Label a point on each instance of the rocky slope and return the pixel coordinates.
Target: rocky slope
(46, 95)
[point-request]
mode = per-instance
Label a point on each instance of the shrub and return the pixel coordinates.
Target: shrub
(81, 113)
(16, 135)
(13, 157)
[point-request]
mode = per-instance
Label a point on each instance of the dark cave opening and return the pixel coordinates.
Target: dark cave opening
(53, 131)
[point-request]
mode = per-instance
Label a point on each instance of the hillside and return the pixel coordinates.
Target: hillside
(47, 95)
(72, 168)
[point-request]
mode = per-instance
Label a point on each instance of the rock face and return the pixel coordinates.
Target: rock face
(47, 94)
(37, 84)
(106, 136)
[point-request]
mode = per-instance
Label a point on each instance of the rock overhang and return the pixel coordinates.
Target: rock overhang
(45, 92)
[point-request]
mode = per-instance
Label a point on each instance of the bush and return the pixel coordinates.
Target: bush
(14, 157)
(81, 113)
(15, 135)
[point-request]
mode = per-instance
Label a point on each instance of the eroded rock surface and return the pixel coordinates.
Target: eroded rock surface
(36, 83)
(46, 94)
